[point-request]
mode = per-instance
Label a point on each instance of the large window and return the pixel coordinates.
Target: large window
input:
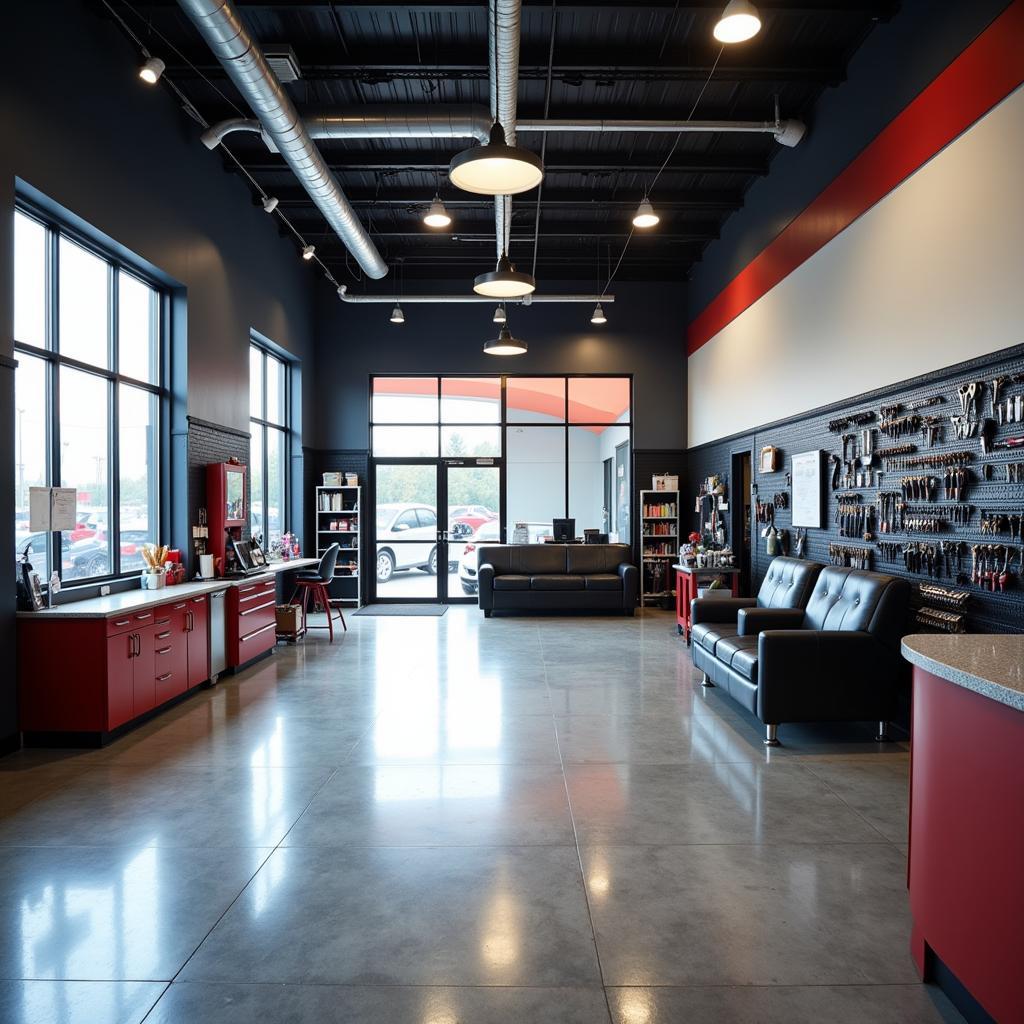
(88, 400)
(563, 441)
(268, 453)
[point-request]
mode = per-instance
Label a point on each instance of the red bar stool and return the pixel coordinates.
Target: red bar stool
(315, 584)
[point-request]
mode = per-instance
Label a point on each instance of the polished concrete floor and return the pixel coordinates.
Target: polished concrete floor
(461, 821)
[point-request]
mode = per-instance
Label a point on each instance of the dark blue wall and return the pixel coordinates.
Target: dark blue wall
(894, 64)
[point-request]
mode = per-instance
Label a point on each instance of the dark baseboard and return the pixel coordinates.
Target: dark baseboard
(10, 744)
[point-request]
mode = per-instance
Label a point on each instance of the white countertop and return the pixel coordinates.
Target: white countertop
(132, 600)
(692, 569)
(989, 664)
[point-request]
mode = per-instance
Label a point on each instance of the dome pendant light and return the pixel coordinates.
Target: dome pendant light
(504, 282)
(739, 22)
(499, 315)
(645, 217)
(505, 344)
(397, 316)
(496, 169)
(598, 317)
(437, 216)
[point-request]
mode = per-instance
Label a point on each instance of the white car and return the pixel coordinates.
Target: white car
(406, 539)
(488, 533)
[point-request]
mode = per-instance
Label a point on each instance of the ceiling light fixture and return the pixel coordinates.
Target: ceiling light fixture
(738, 23)
(505, 344)
(151, 71)
(504, 282)
(397, 316)
(499, 315)
(307, 251)
(645, 217)
(437, 216)
(269, 204)
(598, 317)
(496, 169)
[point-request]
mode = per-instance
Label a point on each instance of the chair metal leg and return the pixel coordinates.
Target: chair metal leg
(706, 682)
(771, 736)
(883, 732)
(322, 590)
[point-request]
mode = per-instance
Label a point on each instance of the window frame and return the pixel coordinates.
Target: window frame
(265, 425)
(54, 361)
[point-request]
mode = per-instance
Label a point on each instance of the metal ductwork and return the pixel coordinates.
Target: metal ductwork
(247, 68)
(526, 300)
(787, 133)
(503, 35)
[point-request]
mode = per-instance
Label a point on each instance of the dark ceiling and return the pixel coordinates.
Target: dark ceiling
(631, 58)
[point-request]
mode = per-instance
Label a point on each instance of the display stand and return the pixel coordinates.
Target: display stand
(659, 543)
(688, 582)
(338, 513)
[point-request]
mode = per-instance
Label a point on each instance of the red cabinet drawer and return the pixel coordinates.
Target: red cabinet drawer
(168, 683)
(253, 644)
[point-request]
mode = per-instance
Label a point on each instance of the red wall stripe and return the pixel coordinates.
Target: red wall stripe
(985, 73)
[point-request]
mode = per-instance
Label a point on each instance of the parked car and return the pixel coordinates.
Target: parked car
(489, 532)
(38, 543)
(91, 557)
(88, 525)
(465, 519)
(406, 539)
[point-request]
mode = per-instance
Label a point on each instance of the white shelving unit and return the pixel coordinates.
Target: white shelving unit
(659, 543)
(338, 514)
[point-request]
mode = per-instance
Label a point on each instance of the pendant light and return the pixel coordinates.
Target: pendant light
(739, 22)
(496, 169)
(645, 217)
(598, 317)
(307, 252)
(505, 344)
(269, 204)
(397, 316)
(499, 315)
(151, 71)
(504, 282)
(437, 216)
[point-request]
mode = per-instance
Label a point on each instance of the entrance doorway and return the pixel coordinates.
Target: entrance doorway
(422, 555)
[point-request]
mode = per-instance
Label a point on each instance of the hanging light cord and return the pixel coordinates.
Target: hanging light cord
(544, 138)
(664, 164)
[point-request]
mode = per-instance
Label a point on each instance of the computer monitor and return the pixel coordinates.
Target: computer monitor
(563, 530)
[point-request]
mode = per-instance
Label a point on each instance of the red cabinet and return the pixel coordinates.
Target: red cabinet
(87, 677)
(251, 620)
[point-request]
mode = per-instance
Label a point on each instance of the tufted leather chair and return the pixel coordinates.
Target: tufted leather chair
(836, 660)
(786, 586)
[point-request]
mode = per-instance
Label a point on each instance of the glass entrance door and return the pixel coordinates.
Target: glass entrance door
(473, 504)
(407, 535)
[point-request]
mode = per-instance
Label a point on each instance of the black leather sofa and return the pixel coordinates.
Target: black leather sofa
(553, 576)
(838, 659)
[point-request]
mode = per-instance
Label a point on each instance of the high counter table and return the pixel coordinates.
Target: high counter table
(966, 865)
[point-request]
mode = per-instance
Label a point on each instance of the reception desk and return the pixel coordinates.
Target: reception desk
(966, 864)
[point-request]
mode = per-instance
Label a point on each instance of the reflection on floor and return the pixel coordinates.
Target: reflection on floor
(458, 819)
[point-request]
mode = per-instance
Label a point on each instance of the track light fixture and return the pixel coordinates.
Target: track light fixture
(598, 317)
(739, 22)
(397, 316)
(505, 344)
(504, 282)
(151, 71)
(307, 251)
(437, 216)
(499, 315)
(496, 169)
(645, 217)
(269, 204)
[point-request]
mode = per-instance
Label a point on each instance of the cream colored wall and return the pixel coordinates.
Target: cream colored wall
(931, 275)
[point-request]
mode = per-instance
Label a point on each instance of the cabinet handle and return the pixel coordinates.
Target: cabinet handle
(138, 644)
(245, 590)
(178, 607)
(256, 632)
(131, 645)
(122, 622)
(143, 616)
(259, 607)
(198, 600)
(166, 675)
(163, 636)
(163, 650)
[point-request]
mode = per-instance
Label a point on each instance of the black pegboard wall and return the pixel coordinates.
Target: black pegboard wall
(987, 612)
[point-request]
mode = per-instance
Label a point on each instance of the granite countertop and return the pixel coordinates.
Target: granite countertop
(989, 664)
(136, 598)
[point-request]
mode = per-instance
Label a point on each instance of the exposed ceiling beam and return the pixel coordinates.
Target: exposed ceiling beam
(878, 9)
(524, 234)
(576, 163)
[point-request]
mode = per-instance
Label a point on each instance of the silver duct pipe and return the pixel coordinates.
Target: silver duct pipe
(503, 35)
(787, 133)
(527, 300)
(247, 68)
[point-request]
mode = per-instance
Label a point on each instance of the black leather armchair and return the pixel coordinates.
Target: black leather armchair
(787, 585)
(836, 660)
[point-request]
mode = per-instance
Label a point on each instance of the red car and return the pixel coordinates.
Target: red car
(464, 520)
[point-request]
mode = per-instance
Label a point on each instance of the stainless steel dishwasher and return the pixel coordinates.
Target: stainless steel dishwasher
(218, 636)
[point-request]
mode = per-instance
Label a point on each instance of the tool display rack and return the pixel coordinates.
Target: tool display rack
(333, 503)
(659, 545)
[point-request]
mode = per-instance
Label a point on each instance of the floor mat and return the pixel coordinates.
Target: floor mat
(403, 609)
